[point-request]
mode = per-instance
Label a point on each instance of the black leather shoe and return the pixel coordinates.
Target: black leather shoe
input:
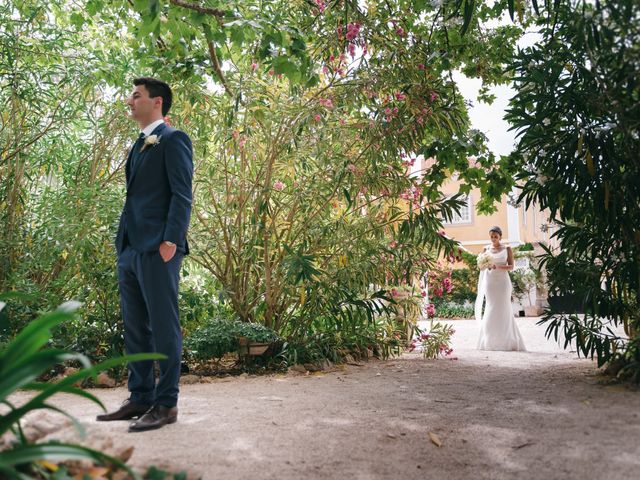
(157, 416)
(127, 411)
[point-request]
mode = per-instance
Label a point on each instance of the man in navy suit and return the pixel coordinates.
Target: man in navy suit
(151, 243)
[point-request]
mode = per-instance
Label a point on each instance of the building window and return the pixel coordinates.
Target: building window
(465, 212)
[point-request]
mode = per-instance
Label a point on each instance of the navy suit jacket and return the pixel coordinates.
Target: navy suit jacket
(159, 196)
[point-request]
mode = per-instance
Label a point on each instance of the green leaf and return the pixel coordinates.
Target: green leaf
(511, 6)
(282, 65)
(24, 454)
(469, 6)
(535, 7)
(237, 36)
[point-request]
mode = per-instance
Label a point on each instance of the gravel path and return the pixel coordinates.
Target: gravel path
(542, 414)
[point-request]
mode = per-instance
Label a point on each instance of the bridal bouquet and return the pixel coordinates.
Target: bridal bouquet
(484, 260)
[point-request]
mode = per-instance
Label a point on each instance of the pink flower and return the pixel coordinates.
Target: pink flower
(424, 294)
(400, 32)
(431, 310)
(317, 117)
(352, 168)
(393, 244)
(447, 284)
(278, 185)
(325, 69)
(400, 96)
(272, 73)
(342, 122)
(254, 66)
(326, 102)
(352, 31)
(421, 66)
(433, 97)
(387, 111)
(438, 291)
(321, 5)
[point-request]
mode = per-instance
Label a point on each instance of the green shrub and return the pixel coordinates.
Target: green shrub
(454, 310)
(527, 247)
(220, 336)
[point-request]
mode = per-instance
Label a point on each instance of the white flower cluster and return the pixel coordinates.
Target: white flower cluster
(484, 260)
(150, 141)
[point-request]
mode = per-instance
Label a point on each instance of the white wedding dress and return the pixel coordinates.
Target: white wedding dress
(498, 329)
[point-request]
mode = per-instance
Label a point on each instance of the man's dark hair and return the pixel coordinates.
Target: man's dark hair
(157, 88)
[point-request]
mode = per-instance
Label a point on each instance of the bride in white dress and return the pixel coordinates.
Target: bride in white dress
(498, 329)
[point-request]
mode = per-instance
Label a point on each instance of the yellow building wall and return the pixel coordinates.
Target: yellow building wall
(532, 224)
(474, 235)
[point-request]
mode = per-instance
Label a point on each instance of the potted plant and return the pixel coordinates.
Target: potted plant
(524, 281)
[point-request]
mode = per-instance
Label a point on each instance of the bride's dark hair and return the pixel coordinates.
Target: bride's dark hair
(496, 229)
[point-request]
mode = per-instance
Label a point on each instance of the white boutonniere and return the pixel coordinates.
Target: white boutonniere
(150, 141)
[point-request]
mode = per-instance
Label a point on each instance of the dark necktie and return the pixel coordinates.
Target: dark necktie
(136, 150)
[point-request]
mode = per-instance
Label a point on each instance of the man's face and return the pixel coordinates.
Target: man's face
(143, 108)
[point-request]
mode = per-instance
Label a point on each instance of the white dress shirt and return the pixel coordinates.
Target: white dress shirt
(151, 127)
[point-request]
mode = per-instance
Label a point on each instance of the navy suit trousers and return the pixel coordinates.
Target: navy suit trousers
(149, 299)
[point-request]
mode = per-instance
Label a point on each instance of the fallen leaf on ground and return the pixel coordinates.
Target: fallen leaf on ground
(518, 447)
(95, 473)
(435, 439)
